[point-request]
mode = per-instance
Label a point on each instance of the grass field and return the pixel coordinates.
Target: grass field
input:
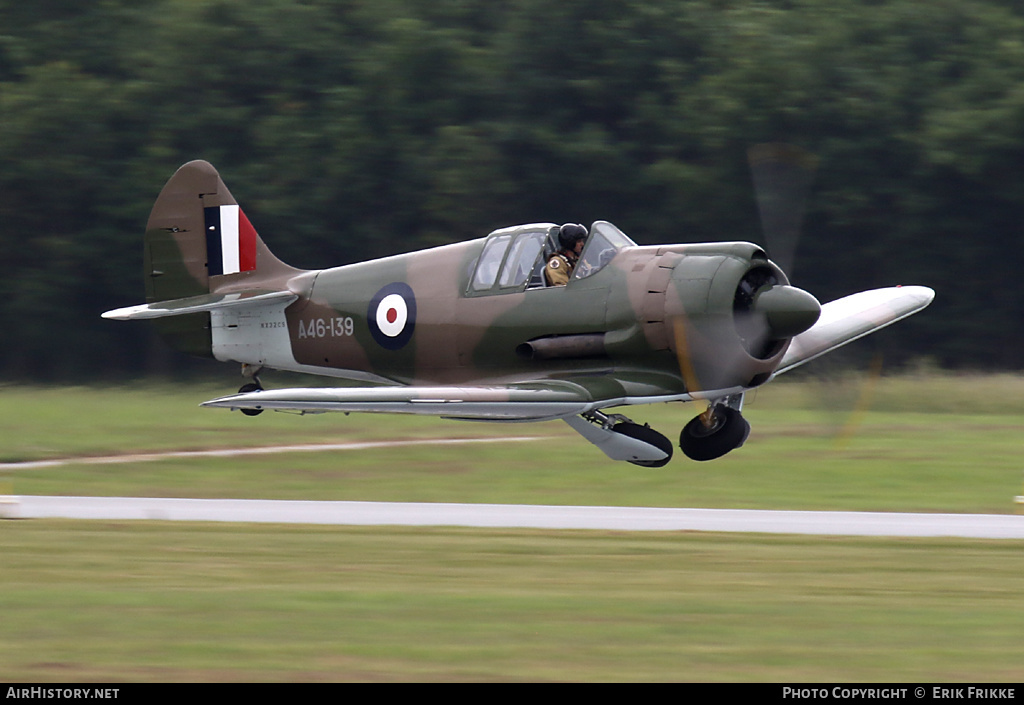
(186, 602)
(937, 443)
(183, 602)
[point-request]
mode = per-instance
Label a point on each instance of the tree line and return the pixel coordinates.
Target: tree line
(352, 129)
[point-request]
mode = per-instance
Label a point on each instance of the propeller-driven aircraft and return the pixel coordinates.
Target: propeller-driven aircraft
(473, 330)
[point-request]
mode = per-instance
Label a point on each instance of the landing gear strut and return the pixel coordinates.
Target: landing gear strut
(714, 433)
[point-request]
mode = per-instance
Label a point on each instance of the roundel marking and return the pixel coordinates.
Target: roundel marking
(392, 315)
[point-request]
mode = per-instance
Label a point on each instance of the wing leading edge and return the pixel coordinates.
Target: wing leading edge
(526, 402)
(844, 320)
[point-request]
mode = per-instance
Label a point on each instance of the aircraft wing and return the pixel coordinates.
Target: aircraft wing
(537, 401)
(201, 304)
(844, 320)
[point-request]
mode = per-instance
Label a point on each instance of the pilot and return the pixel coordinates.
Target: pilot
(571, 237)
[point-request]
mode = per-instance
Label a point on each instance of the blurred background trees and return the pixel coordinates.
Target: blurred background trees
(352, 129)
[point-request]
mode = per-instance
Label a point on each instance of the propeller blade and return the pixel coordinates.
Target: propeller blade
(782, 175)
(864, 398)
(683, 356)
(691, 344)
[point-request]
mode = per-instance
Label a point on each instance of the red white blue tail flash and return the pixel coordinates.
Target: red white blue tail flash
(230, 241)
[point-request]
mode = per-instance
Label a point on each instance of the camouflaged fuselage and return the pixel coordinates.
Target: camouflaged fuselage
(639, 308)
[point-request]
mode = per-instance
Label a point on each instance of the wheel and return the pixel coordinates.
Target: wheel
(649, 436)
(245, 389)
(728, 430)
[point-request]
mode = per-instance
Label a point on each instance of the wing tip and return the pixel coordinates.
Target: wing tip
(925, 293)
(231, 401)
(122, 314)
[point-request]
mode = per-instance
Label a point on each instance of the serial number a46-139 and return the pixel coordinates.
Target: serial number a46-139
(337, 327)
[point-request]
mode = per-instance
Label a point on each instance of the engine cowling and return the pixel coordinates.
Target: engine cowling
(732, 313)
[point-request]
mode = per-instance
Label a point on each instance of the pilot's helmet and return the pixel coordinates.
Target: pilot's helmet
(569, 234)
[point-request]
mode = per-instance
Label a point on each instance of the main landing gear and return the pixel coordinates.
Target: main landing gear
(621, 439)
(717, 431)
(254, 386)
(648, 437)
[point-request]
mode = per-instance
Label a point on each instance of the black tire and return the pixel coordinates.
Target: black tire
(651, 437)
(728, 431)
(245, 389)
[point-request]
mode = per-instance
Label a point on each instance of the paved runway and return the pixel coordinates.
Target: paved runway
(987, 526)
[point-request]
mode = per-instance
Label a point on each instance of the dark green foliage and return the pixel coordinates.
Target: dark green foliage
(354, 129)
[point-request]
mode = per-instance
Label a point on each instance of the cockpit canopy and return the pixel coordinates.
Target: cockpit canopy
(513, 258)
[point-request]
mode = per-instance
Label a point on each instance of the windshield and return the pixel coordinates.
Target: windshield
(605, 240)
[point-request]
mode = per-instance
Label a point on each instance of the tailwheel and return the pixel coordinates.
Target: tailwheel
(714, 433)
(251, 387)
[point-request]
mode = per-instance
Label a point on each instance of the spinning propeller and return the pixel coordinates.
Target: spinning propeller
(783, 175)
(766, 310)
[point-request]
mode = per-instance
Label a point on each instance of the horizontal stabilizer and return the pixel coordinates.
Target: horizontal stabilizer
(528, 402)
(201, 304)
(844, 320)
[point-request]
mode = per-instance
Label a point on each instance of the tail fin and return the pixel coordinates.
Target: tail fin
(199, 241)
(201, 252)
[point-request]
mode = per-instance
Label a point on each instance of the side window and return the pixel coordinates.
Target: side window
(490, 260)
(521, 259)
(512, 260)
